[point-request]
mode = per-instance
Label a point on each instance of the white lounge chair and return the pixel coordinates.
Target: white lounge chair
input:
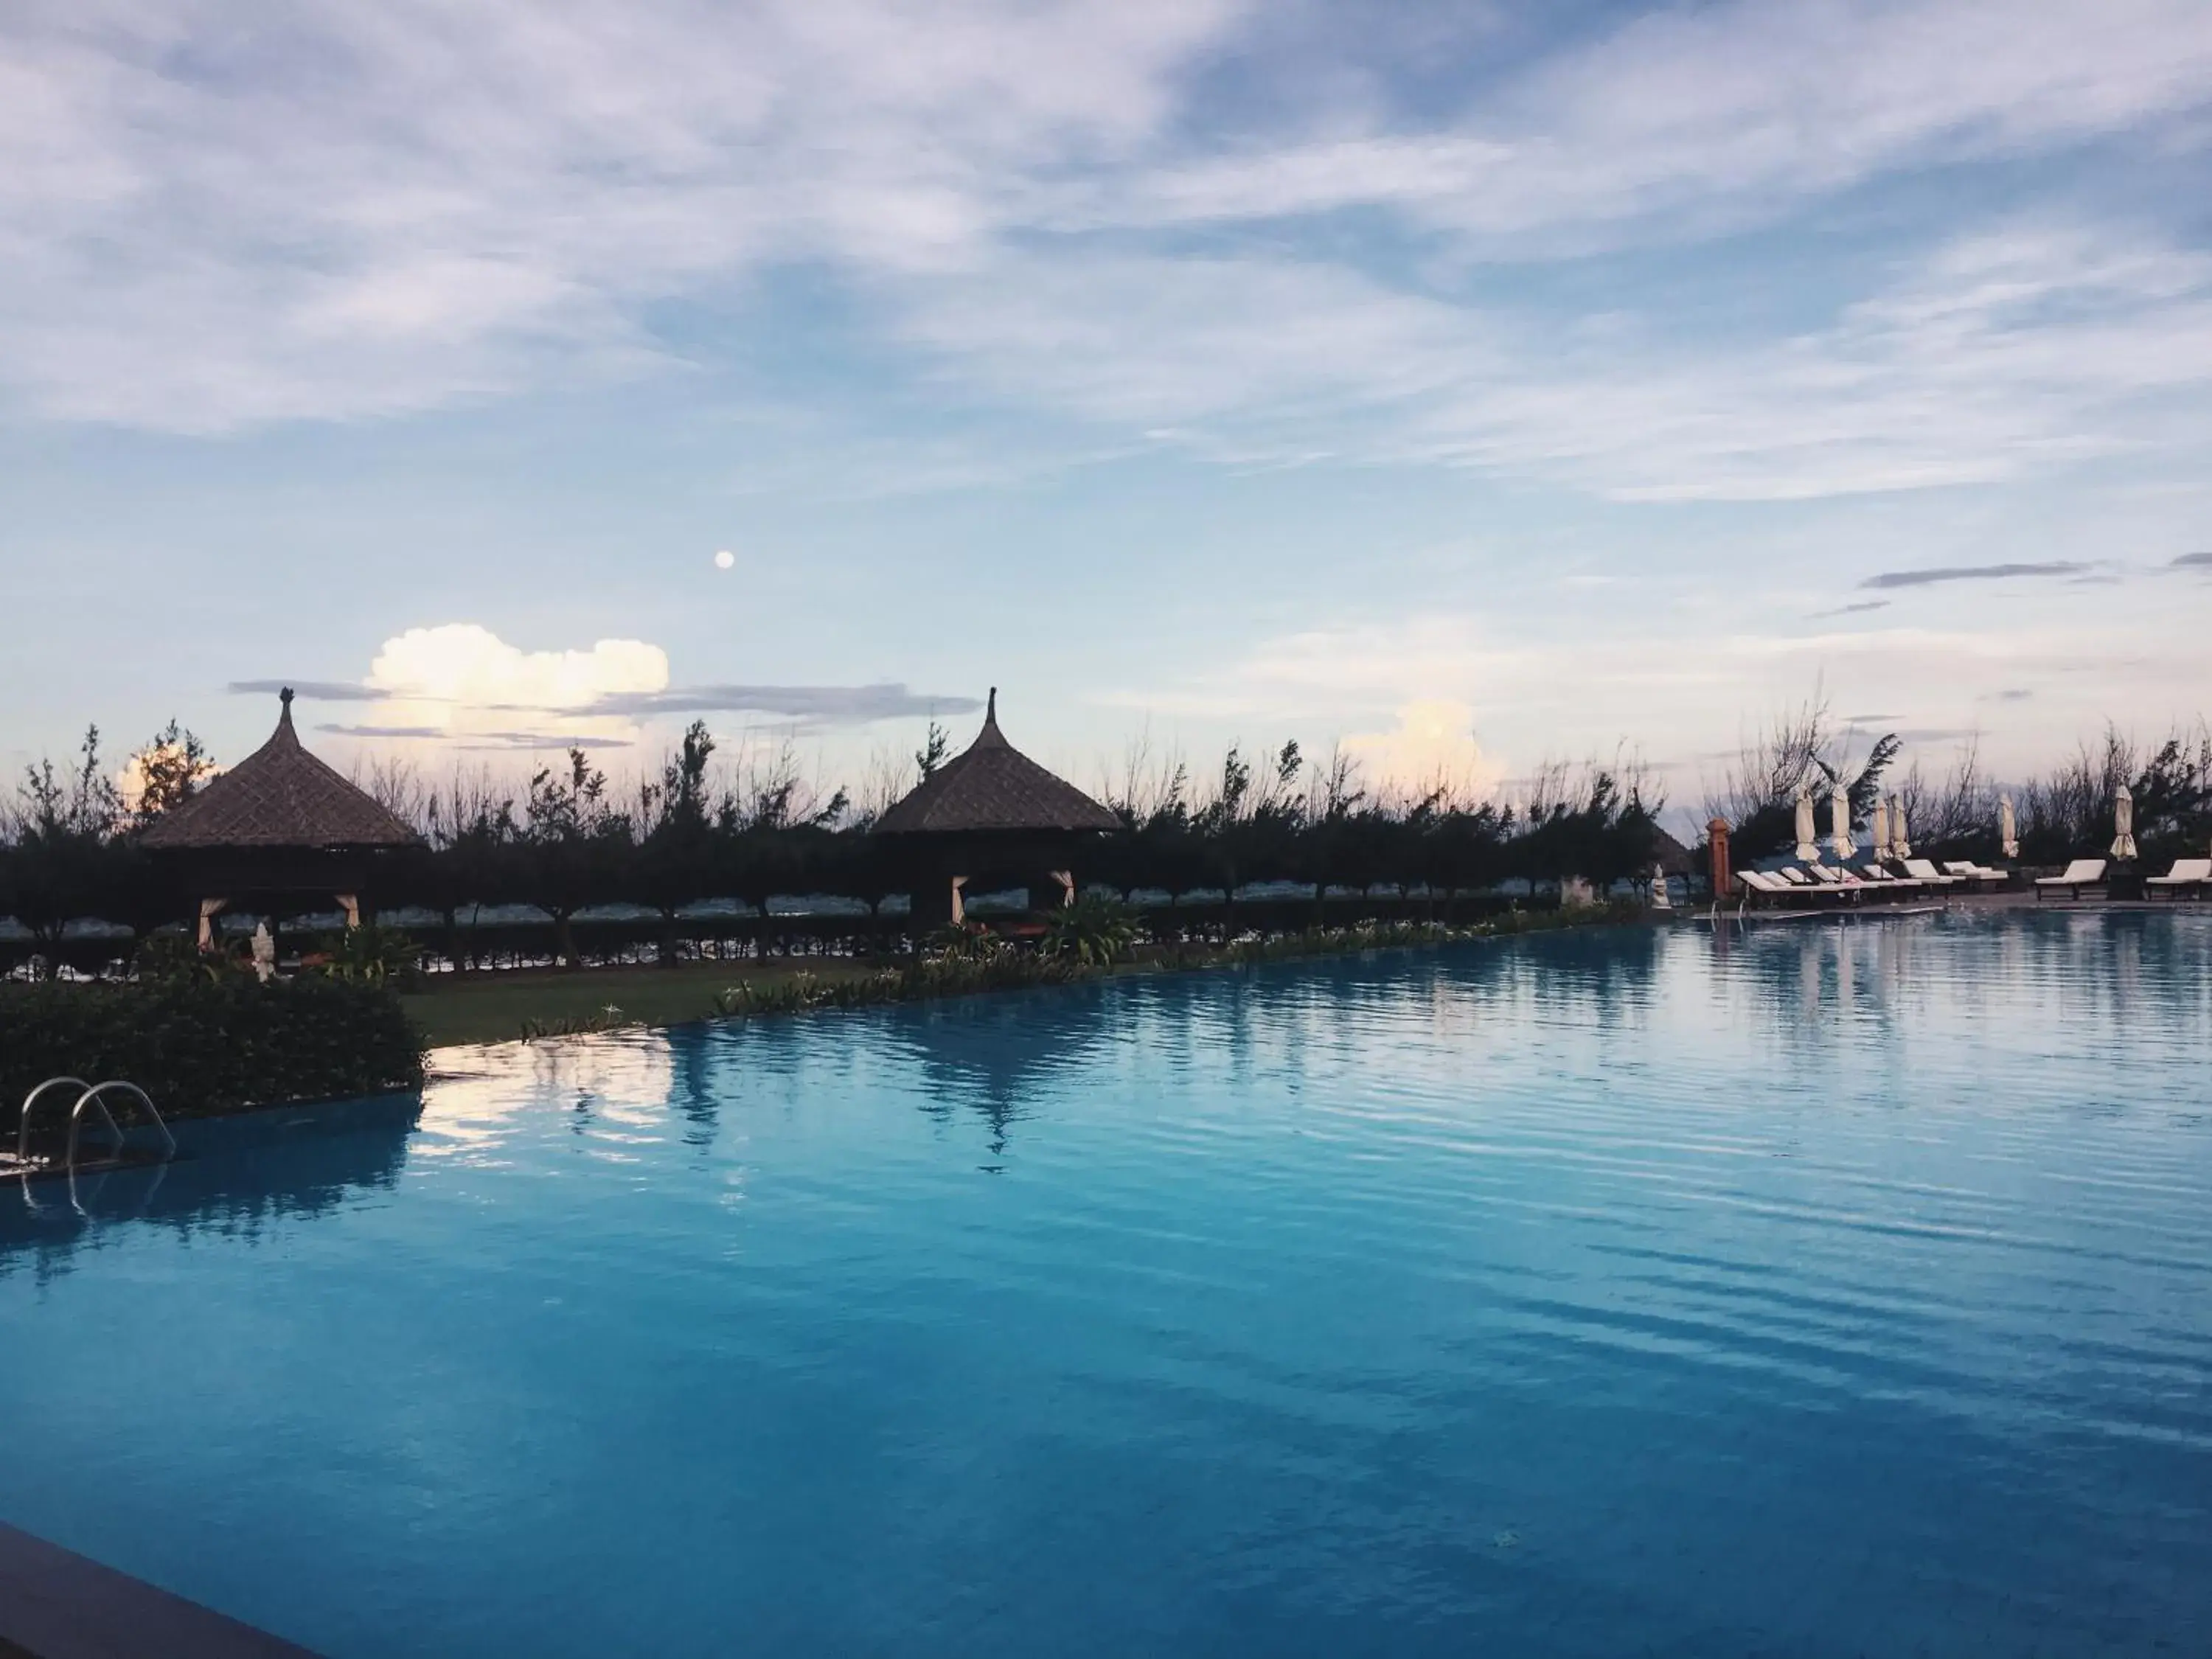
(1926, 874)
(1981, 875)
(2187, 873)
(2082, 872)
(1758, 884)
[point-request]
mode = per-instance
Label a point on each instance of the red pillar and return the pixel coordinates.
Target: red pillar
(1716, 835)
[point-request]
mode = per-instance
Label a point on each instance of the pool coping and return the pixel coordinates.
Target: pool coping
(56, 1604)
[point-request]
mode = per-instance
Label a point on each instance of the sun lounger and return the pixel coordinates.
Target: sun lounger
(2186, 873)
(1921, 871)
(1841, 885)
(1980, 875)
(1881, 882)
(1759, 884)
(2082, 872)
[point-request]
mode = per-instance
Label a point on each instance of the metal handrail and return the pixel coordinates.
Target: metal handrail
(91, 1096)
(23, 1129)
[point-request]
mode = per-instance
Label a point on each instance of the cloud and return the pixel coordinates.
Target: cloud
(1862, 605)
(468, 666)
(810, 705)
(461, 682)
(1431, 744)
(1992, 357)
(1724, 113)
(2192, 561)
(1970, 573)
(209, 222)
(309, 690)
(531, 742)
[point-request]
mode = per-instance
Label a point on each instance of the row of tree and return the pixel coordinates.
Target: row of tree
(697, 829)
(690, 832)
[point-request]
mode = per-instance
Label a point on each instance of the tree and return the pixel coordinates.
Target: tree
(168, 772)
(573, 838)
(676, 855)
(931, 755)
(66, 862)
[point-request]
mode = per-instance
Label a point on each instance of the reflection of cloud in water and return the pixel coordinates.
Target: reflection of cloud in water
(616, 1086)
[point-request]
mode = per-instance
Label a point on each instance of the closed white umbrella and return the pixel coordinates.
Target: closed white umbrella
(2008, 828)
(1878, 825)
(1898, 844)
(2124, 823)
(1839, 822)
(1806, 852)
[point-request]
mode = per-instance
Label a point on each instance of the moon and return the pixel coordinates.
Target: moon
(725, 559)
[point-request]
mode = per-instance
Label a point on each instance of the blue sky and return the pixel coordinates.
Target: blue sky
(1473, 384)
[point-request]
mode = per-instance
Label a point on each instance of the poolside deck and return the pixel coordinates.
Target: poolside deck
(56, 1604)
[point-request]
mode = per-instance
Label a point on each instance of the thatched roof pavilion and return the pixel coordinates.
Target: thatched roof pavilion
(991, 812)
(278, 822)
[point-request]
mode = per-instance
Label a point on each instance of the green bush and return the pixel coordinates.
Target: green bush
(204, 1046)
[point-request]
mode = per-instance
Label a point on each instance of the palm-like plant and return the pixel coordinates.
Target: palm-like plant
(1095, 930)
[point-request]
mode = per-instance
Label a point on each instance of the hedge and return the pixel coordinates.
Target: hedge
(200, 1048)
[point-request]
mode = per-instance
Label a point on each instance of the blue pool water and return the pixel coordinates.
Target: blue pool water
(1824, 1290)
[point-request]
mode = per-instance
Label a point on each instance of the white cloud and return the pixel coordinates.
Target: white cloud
(465, 682)
(2003, 353)
(1721, 114)
(1431, 744)
(210, 220)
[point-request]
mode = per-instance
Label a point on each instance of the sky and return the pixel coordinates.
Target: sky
(1474, 386)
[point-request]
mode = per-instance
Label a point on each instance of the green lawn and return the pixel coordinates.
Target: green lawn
(493, 1007)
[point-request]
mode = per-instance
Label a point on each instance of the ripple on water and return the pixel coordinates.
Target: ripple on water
(1820, 1290)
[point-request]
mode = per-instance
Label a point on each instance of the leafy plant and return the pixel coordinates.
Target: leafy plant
(370, 954)
(1095, 931)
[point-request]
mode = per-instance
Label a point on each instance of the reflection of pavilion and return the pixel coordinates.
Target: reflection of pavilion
(997, 1055)
(989, 817)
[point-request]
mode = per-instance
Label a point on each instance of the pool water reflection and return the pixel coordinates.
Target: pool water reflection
(1831, 1290)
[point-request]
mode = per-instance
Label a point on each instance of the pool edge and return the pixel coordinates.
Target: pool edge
(56, 1604)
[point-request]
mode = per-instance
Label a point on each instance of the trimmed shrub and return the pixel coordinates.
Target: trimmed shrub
(200, 1046)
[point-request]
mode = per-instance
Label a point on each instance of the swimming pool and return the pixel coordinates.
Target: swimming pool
(1817, 1291)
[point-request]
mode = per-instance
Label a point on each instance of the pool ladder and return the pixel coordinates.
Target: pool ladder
(91, 1097)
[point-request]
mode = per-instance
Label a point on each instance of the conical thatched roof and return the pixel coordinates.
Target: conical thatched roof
(993, 786)
(279, 796)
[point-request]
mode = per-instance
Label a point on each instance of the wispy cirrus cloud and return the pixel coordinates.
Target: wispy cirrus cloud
(310, 690)
(205, 226)
(807, 705)
(1934, 575)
